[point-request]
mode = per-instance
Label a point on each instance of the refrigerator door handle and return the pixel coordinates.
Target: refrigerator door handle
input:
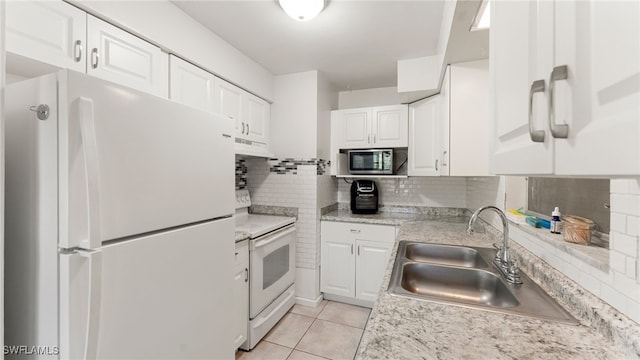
(90, 149)
(80, 286)
(94, 296)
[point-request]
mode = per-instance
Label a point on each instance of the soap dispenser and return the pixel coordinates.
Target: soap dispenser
(555, 221)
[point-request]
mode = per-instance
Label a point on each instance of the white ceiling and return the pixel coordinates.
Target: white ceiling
(355, 43)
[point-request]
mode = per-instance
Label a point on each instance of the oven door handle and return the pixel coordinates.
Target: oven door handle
(262, 243)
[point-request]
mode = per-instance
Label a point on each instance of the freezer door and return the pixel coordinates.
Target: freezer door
(162, 296)
(133, 163)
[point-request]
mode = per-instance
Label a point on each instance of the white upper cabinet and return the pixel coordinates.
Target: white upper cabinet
(469, 120)
(429, 134)
(59, 34)
(256, 115)
(250, 113)
(49, 31)
(118, 56)
(566, 99)
(191, 85)
(377, 127)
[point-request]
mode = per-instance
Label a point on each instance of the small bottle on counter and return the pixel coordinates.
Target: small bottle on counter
(555, 221)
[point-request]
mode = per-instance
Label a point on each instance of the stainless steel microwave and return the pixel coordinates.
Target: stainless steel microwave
(371, 162)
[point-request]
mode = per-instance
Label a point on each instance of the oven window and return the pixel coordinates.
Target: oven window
(275, 266)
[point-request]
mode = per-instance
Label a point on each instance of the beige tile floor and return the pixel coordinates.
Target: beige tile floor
(329, 331)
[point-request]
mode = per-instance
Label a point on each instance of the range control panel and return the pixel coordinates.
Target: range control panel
(242, 198)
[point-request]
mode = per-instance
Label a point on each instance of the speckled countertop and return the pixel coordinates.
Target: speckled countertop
(405, 328)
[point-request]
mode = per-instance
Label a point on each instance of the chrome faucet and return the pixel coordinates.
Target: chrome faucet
(502, 261)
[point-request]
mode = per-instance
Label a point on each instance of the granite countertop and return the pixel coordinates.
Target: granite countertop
(405, 328)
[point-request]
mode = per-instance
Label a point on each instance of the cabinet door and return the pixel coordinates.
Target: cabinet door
(599, 42)
(241, 293)
(115, 55)
(424, 138)
(53, 32)
(372, 258)
(337, 261)
(191, 85)
(390, 126)
(514, 42)
(356, 126)
(256, 118)
(229, 103)
(443, 123)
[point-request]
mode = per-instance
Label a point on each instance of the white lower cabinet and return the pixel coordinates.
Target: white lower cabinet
(241, 293)
(354, 258)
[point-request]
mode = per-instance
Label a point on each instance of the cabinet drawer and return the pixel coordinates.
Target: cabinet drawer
(357, 231)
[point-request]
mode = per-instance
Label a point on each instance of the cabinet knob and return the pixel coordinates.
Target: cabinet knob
(558, 131)
(536, 135)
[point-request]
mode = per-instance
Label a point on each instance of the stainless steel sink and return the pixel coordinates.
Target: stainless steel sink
(443, 254)
(464, 285)
(431, 272)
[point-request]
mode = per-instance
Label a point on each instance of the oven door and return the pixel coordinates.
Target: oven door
(272, 267)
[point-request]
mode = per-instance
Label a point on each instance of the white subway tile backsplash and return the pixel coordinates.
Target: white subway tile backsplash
(624, 243)
(632, 268)
(618, 261)
(618, 222)
(625, 204)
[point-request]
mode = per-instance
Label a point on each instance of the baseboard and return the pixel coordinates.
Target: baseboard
(309, 302)
(349, 300)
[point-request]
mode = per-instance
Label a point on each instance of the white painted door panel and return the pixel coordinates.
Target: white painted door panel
(191, 85)
(371, 264)
(53, 32)
(256, 117)
(118, 56)
(154, 297)
(356, 128)
(338, 267)
(424, 138)
(152, 161)
(240, 293)
(229, 103)
(390, 126)
(600, 100)
(512, 37)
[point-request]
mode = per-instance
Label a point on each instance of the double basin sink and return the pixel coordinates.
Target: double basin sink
(466, 276)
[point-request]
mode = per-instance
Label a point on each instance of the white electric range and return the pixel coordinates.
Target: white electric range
(272, 249)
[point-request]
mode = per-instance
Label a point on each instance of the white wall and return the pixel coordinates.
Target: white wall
(294, 116)
(2, 84)
(162, 23)
(370, 97)
(327, 101)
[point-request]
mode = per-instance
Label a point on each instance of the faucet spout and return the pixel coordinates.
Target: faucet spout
(502, 260)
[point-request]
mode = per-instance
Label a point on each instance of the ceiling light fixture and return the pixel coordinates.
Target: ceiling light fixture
(302, 10)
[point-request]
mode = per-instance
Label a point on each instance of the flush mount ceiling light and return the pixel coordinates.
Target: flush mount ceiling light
(302, 10)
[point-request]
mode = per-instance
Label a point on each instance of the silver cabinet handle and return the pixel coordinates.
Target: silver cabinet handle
(436, 164)
(95, 58)
(77, 51)
(242, 128)
(355, 231)
(246, 275)
(351, 249)
(374, 138)
(444, 158)
(558, 131)
(369, 139)
(536, 135)
(247, 128)
(358, 250)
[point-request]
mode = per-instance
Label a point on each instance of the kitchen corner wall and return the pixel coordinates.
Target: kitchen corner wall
(307, 186)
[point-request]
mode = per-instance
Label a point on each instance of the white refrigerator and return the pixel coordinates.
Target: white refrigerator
(119, 224)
